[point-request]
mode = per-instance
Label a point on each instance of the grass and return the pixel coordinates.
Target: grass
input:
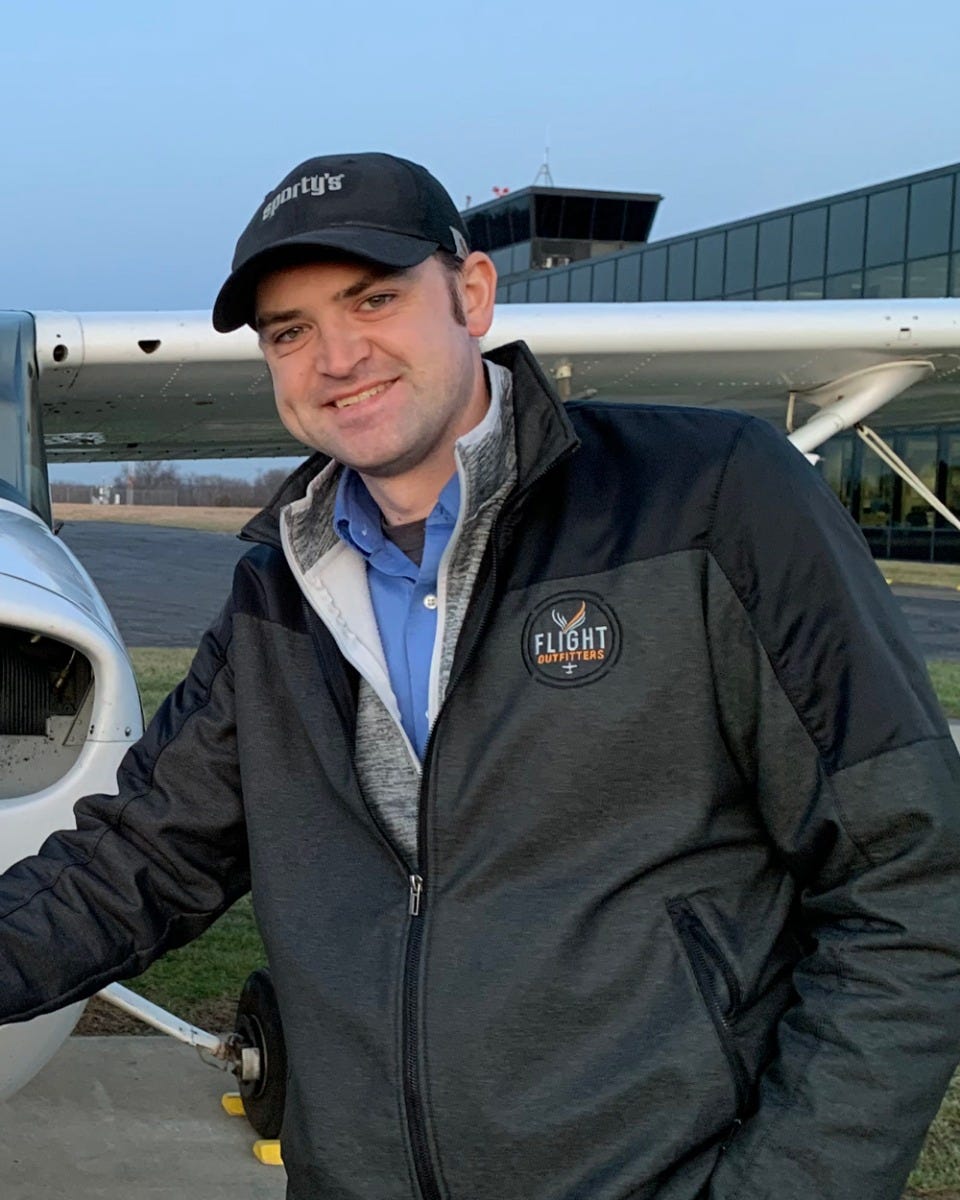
(926, 574)
(202, 981)
(210, 519)
(946, 683)
(158, 672)
(937, 1173)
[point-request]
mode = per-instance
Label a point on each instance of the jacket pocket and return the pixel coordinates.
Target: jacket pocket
(718, 986)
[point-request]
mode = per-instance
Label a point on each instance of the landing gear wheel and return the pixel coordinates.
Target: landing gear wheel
(258, 1026)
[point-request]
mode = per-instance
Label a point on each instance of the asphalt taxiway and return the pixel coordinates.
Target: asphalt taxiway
(165, 586)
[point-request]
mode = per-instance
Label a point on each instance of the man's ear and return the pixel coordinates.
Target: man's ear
(478, 286)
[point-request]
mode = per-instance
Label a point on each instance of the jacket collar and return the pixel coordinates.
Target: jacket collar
(544, 434)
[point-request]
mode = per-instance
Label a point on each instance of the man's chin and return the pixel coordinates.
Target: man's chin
(389, 469)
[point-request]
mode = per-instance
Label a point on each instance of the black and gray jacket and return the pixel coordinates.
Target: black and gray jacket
(689, 836)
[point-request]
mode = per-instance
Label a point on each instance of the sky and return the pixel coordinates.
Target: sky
(138, 141)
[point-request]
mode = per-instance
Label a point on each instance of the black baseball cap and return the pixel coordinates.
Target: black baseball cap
(370, 206)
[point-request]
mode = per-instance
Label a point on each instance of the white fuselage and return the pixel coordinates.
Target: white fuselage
(46, 592)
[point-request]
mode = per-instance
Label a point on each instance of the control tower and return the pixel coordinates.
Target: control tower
(538, 228)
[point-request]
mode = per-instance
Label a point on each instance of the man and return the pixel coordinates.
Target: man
(601, 824)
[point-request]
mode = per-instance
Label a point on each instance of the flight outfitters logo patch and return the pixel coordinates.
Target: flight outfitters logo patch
(571, 639)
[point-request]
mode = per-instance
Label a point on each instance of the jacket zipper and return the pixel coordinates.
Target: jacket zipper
(413, 1102)
(705, 957)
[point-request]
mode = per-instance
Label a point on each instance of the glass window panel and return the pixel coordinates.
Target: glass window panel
(740, 295)
(577, 217)
(807, 289)
(502, 293)
(808, 244)
(741, 259)
(558, 286)
(845, 287)
(537, 289)
(773, 250)
(603, 274)
(773, 293)
(478, 231)
(637, 220)
(653, 285)
(886, 226)
(920, 453)
(608, 219)
(836, 466)
(883, 282)
(709, 277)
(628, 277)
(876, 492)
(499, 222)
(952, 494)
(680, 271)
(955, 276)
(928, 277)
(848, 222)
(547, 213)
(520, 220)
(580, 281)
(518, 293)
(956, 212)
(930, 212)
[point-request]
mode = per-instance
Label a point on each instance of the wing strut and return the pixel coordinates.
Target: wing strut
(895, 463)
(845, 403)
(848, 401)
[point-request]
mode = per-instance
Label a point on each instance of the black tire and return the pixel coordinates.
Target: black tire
(258, 1024)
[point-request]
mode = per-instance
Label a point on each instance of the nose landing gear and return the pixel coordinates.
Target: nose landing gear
(261, 1067)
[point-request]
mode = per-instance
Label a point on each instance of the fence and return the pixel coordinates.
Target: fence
(229, 493)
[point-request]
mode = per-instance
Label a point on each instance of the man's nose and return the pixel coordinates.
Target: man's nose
(340, 350)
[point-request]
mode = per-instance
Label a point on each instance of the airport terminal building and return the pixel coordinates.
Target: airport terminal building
(900, 238)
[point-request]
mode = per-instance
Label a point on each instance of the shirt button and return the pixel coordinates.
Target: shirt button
(430, 601)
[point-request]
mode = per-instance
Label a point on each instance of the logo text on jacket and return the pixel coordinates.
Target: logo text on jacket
(571, 639)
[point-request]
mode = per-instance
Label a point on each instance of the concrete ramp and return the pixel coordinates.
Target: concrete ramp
(112, 1118)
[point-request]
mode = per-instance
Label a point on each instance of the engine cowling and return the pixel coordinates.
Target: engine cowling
(69, 709)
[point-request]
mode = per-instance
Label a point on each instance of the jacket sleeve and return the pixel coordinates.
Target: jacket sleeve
(858, 786)
(146, 870)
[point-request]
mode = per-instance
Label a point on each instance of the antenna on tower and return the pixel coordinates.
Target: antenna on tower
(544, 173)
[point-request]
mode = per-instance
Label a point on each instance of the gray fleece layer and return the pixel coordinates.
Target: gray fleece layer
(387, 765)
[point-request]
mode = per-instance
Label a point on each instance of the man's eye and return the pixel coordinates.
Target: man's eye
(288, 335)
(380, 300)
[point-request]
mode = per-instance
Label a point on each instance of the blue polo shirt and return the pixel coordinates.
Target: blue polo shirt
(404, 596)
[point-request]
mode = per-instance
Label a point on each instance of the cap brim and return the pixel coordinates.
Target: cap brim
(235, 303)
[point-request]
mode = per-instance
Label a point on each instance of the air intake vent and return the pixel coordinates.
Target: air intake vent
(24, 695)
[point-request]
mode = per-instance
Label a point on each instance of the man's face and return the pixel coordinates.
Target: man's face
(374, 369)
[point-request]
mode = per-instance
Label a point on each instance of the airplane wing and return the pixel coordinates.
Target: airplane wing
(165, 385)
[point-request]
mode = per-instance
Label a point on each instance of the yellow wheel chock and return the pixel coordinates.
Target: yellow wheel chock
(267, 1150)
(232, 1104)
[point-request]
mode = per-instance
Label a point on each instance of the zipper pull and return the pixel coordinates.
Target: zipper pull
(416, 895)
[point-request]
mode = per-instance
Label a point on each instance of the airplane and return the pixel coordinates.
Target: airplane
(162, 385)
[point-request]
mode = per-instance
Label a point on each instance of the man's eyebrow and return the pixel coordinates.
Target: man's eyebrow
(275, 318)
(348, 293)
(369, 280)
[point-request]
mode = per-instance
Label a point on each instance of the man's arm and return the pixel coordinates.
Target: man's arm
(858, 785)
(146, 870)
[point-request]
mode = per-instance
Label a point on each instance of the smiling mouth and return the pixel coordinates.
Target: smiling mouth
(357, 397)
